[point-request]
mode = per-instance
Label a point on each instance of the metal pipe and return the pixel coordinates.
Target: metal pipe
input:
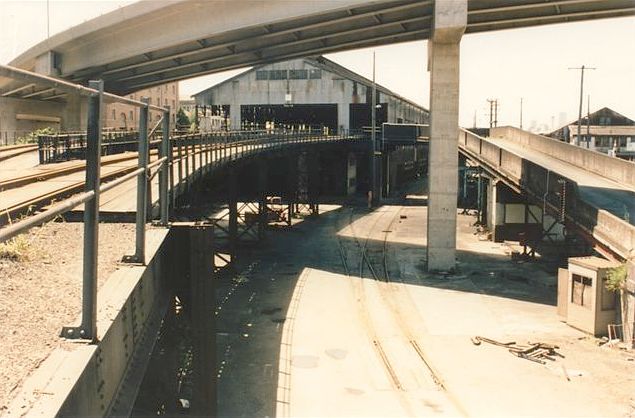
(91, 214)
(163, 173)
(42, 217)
(142, 185)
(88, 326)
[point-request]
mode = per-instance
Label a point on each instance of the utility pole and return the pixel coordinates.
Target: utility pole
(521, 113)
(577, 141)
(373, 147)
(493, 112)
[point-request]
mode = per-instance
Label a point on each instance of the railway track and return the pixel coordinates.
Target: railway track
(59, 172)
(12, 151)
(359, 293)
(27, 206)
(389, 291)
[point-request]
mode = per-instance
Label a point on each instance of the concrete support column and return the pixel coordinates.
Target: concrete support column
(351, 174)
(72, 113)
(201, 269)
(291, 192)
(262, 198)
(234, 114)
(343, 116)
(314, 180)
(233, 213)
(491, 213)
(450, 20)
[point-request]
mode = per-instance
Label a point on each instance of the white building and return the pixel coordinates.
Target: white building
(305, 92)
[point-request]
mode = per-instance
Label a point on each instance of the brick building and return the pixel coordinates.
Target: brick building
(122, 116)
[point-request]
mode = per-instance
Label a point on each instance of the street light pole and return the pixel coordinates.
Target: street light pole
(577, 140)
(373, 177)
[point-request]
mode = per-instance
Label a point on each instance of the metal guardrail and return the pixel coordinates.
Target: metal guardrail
(55, 148)
(213, 150)
(90, 198)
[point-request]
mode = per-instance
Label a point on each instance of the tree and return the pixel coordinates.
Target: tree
(181, 118)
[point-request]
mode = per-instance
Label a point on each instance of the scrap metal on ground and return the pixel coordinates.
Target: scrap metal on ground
(536, 352)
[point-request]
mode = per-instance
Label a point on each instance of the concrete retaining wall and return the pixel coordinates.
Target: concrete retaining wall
(616, 169)
(85, 380)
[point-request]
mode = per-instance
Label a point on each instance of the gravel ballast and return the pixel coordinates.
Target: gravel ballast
(42, 293)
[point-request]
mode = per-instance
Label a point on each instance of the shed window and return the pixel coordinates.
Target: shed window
(278, 75)
(315, 74)
(581, 291)
(262, 75)
(298, 74)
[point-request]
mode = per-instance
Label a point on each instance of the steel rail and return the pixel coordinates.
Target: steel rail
(67, 205)
(17, 152)
(34, 178)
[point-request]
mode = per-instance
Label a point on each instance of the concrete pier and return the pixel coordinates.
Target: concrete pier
(450, 20)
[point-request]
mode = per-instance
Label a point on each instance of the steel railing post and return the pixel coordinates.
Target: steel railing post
(180, 157)
(170, 162)
(142, 185)
(200, 155)
(163, 172)
(88, 327)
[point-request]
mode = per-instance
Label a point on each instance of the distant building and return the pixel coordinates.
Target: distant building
(605, 131)
(305, 92)
(122, 116)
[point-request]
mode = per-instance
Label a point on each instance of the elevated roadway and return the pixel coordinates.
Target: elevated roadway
(153, 42)
(602, 202)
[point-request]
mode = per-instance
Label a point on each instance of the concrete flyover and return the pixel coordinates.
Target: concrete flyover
(601, 190)
(153, 42)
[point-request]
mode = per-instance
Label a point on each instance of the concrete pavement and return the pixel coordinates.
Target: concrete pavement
(299, 333)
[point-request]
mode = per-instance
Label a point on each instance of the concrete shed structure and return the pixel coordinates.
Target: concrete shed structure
(307, 91)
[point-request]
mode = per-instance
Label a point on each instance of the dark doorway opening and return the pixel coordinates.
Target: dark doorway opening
(289, 116)
(361, 117)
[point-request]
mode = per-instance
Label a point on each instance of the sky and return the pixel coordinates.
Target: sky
(531, 64)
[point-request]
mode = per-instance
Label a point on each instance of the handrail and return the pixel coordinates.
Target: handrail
(212, 149)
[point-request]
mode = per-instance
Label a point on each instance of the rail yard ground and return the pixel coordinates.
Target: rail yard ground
(336, 316)
(313, 333)
(40, 292)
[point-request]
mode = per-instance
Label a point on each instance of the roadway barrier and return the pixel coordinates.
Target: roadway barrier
(611, 231)
(616, 169)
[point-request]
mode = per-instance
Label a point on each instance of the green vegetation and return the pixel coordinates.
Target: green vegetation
(16, 249)
(181, 118)
(616, 278)
(31, 138)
